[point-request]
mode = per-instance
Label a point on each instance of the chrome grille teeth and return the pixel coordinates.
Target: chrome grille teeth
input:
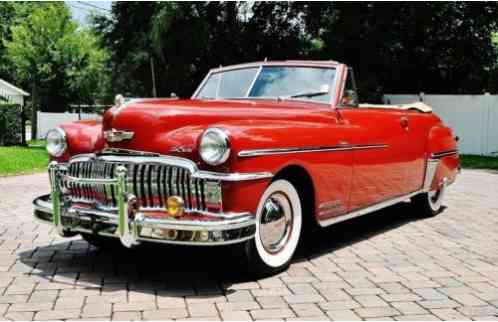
(151, 183)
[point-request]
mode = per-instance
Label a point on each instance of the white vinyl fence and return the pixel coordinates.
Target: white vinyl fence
(47, 121)
(474, 118)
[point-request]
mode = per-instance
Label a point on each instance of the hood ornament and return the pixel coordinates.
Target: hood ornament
(114, 135)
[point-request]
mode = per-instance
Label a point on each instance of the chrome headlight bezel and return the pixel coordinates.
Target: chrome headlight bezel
(56, 142)
(214, 146)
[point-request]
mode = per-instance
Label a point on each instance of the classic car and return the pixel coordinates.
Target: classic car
(260, 154)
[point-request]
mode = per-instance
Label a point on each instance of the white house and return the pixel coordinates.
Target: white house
(11, 93)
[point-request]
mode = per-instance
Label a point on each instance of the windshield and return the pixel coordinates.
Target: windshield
(287, 82)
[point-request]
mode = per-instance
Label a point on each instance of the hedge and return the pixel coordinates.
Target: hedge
(10, 124)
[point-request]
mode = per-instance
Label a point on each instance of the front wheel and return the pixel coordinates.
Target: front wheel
(278, 229)
(430, 203)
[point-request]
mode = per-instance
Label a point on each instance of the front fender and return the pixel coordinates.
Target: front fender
(82, 137)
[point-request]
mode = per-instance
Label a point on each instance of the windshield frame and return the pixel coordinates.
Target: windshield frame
(260, 66)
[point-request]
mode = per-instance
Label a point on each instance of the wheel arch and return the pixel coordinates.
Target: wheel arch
(303, 181)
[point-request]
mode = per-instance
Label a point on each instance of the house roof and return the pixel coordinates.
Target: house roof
(12, 88)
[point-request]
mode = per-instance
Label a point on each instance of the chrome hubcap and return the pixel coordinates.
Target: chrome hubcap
(276, 222)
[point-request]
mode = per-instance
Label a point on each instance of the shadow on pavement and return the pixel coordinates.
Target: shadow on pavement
(181, 270)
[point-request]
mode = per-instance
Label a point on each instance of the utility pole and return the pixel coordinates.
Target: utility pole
(154, 91)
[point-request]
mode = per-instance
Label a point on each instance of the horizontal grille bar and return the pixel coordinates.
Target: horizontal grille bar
(152, 184)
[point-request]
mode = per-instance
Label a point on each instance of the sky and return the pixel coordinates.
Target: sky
(81, 9)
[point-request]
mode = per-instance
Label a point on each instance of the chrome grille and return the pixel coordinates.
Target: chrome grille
(151, 183)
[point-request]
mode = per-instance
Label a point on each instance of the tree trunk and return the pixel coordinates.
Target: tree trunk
(23, 125)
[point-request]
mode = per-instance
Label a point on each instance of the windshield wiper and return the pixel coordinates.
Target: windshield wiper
(308, 94)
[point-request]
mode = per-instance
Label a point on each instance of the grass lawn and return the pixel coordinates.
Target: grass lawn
(479, 162)
(15, 160)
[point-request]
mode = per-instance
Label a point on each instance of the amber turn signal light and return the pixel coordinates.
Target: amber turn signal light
(175, 206)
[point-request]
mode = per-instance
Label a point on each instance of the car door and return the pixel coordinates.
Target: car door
(381, 149)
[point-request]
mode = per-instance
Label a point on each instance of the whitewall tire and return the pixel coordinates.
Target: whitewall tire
(278, 228)
(430, 203)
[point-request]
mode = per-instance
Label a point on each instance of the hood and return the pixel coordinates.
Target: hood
(174, 126)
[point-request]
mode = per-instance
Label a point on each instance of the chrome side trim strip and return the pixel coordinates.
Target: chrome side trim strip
(367, 210)
(335, 148)
(441, 154)
(370, 146)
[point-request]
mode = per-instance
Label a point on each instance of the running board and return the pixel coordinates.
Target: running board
(367, 210)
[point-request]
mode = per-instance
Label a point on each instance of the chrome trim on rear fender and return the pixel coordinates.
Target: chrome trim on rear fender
(430, 172)
(441, 154)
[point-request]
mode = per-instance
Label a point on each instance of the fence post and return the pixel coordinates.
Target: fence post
(487, 120)
(38, 125)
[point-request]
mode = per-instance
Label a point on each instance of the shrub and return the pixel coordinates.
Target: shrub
(10, 124)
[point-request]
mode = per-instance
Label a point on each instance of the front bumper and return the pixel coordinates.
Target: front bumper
(133, 224)
(237, 228)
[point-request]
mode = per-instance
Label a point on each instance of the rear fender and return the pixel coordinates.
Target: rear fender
(443, 146)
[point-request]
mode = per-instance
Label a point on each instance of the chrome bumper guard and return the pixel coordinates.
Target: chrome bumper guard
(129, 223)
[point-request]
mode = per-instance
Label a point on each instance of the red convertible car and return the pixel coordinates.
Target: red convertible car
(260, 153)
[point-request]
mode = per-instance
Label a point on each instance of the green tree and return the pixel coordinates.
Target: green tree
(397, 47)
(61, 63)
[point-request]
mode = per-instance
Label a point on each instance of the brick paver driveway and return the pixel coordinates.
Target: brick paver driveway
(388, 265)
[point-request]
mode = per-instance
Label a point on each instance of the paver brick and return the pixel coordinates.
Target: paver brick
(272, 302)
(165, 314)
(409, 308)
(449, 314)
(268, 314)
(202, 310)
(235, 316)
(468, 300)
(167, 302)
(127, 316)
(473, 311)
(134, 306)
(238, 306)
(338, 305)
(343, 315)
(306, 309)
(420, 317)
(19, 316)
(372, 312)
(303, 298)
(57, 315)
(36, 306)
(67, 303)
(438, 304)
(370, 301)
(96, 310)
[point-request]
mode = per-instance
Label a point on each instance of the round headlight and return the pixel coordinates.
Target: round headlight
(56, 142)
(214, 146)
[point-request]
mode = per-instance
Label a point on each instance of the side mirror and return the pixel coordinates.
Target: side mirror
(349, 98)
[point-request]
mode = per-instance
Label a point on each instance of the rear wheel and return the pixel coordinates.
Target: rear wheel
(278, 229)
(430, 203)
